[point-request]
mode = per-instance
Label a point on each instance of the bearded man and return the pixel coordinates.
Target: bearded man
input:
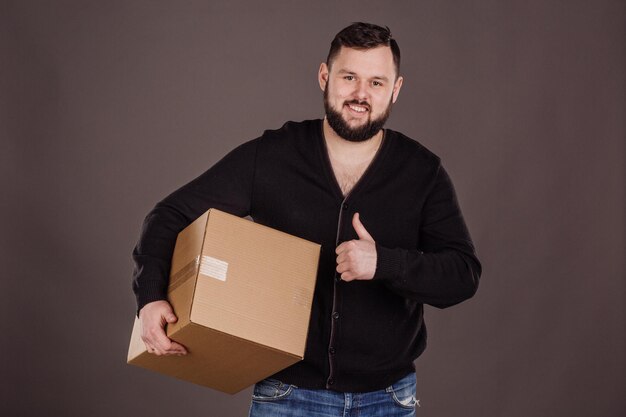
(385, 213)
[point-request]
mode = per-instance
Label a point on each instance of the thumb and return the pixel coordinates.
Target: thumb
(170, 317)
(360, 229)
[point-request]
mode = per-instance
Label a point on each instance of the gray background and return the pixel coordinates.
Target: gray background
(108, 106)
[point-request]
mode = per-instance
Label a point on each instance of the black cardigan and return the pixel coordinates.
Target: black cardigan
(363, 335)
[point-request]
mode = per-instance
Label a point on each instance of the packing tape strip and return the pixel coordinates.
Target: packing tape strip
(184, 273)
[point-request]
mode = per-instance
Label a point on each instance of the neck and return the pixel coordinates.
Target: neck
(342, 149)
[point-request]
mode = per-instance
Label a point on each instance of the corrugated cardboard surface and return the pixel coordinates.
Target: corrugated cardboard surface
(242, 293)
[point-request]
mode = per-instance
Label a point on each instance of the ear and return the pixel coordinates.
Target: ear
(396, 88)
(322, 75)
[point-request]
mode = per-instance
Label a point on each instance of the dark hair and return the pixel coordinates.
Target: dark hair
(361, 35)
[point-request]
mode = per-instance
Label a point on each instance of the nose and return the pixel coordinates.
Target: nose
(362, 92)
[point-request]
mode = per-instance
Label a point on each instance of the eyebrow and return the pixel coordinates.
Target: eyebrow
(376, 77)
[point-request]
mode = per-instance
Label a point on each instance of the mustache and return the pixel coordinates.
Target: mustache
(359, 103)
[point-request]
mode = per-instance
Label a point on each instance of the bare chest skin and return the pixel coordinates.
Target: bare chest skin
(350, 160)
(348, 173)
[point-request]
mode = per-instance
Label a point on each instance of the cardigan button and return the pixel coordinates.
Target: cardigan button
(335, 315)
(331, 381)
(332, 350)
(345, 206)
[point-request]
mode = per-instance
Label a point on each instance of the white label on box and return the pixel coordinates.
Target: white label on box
(214, 268)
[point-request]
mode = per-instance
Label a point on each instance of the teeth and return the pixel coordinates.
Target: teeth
(357, 108)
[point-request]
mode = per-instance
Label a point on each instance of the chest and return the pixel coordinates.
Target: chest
(298, 192)
(348, 174)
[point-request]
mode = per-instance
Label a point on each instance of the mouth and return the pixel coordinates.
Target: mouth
(358, 108)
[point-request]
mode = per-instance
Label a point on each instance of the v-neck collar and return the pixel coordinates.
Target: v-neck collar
(328, 168)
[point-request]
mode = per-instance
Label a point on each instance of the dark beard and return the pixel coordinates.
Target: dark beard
(358, 134)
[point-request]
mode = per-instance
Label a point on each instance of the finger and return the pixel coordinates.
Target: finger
(174, 349)
(360, 230)
(343, 267)
(345, 246)
(342, 257)
(167, 346)
(155, 351)
(177, 349)
(171, 317)
(159, 351)
(160, 341)
(347, 276)
(149, 347)
(341, 248)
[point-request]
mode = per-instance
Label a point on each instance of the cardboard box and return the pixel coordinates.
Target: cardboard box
(242, 293)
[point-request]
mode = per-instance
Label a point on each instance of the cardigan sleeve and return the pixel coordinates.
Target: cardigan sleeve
(226, 186)
(444, 270)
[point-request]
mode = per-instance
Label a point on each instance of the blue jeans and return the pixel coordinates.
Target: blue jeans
(272, 398)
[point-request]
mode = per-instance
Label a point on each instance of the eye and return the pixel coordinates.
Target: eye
(377, 84)
(349, 77)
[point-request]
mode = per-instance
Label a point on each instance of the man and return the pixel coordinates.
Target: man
(382, 207)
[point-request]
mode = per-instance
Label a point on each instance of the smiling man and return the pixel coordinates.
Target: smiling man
(365, 81)
(382, 207)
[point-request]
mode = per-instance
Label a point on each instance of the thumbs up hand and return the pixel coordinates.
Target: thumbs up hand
(356, 259)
